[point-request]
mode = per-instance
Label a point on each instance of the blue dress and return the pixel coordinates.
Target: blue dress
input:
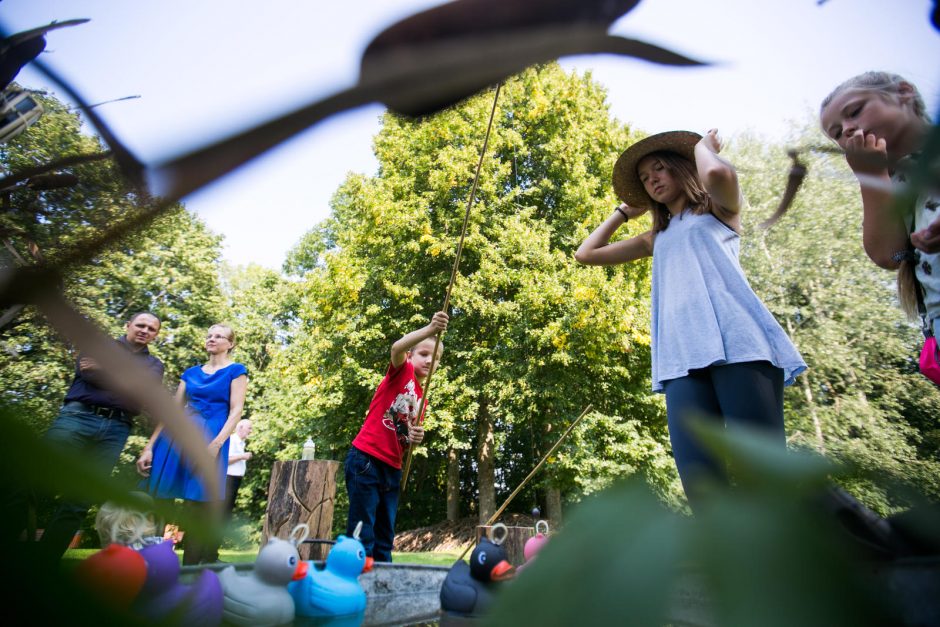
(207, 397)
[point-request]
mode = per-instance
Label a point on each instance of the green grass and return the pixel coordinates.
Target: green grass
(434, 558)
(442, 558)
(226, 555)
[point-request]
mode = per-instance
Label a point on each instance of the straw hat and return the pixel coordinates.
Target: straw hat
(626, 182)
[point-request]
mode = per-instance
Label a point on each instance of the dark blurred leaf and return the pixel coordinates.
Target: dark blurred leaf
(773, 561)
(19, 49)
(751, 557)
(128, 377)
(758, 463)
(615, 563)
(31, 463)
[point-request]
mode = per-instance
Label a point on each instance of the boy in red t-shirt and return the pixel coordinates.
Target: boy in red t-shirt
(373, 464)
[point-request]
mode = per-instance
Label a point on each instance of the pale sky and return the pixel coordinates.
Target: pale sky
(207, 67)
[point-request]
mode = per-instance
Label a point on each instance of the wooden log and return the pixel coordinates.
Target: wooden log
(302, 491)
(514, 543)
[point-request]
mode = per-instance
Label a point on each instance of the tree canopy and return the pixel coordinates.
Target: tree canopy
(534, 337)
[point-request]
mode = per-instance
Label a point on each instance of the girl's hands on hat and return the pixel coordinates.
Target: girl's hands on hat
(711, 140)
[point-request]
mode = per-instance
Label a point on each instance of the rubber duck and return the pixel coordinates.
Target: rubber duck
(334, 590)
(534, 544)
(115, 575)
(468, 589)
(163, 596)
(261, 598)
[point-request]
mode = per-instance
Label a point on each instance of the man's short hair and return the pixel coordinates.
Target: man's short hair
(138, 314)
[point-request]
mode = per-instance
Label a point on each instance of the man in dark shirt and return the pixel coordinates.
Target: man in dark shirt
(95, 422)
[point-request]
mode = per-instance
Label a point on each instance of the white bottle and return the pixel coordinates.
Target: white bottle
(309, 449)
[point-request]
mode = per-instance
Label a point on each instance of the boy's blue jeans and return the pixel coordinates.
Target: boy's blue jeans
(373, 487)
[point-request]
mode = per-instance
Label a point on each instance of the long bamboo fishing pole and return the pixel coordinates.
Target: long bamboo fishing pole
(531, 474)
(453, 279)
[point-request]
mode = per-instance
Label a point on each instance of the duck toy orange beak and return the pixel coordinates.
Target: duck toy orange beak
(301, 571)
(502, 571)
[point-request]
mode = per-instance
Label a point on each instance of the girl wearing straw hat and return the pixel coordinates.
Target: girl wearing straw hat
(717, 352)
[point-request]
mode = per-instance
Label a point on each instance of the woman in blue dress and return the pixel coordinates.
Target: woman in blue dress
(214, 394)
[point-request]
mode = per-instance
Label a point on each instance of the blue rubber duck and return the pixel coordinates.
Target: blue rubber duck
(334, 590)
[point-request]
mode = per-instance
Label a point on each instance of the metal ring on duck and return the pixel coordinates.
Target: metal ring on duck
(299, 533)
(497, 540)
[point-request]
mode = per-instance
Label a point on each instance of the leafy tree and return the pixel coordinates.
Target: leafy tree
(169, 268)
(258, 306)
(533, 338)
(862, 400)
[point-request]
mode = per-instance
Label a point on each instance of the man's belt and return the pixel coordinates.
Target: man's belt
(112, 413)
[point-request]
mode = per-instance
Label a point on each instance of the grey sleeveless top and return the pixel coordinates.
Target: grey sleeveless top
(703, 309)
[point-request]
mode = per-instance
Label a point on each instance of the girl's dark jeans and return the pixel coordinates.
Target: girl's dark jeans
(749, 393)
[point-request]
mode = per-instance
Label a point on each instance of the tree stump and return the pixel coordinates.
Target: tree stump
(514, 544)
(302, 491)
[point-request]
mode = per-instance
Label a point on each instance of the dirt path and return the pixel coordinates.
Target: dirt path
(451, 536)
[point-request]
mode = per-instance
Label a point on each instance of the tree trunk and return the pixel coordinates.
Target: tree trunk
(514, 542)
(810, 401)
(553, 506)
(453, 485)
(486, 475)
(302, 492)
(804, 379)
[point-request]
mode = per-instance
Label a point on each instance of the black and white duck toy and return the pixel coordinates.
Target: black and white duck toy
(469, 589)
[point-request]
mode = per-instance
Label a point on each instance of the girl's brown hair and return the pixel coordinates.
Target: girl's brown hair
(685, 173)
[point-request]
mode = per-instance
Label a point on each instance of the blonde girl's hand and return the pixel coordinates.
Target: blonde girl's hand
(214, 448)
(866, 153)
(711, 140)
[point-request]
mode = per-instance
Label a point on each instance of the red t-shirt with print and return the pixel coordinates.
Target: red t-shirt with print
(397, 400)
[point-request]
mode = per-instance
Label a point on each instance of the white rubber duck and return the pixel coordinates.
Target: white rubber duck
(260, 597)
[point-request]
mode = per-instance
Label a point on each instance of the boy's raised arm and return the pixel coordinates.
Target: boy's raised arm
(400, 348)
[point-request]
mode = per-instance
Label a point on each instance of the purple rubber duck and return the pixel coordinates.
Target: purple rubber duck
(164, 597)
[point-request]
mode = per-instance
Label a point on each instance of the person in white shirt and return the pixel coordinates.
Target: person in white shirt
(237, 458)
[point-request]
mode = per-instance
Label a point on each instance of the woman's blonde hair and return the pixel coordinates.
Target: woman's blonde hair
(119, 525)
(685, 173)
